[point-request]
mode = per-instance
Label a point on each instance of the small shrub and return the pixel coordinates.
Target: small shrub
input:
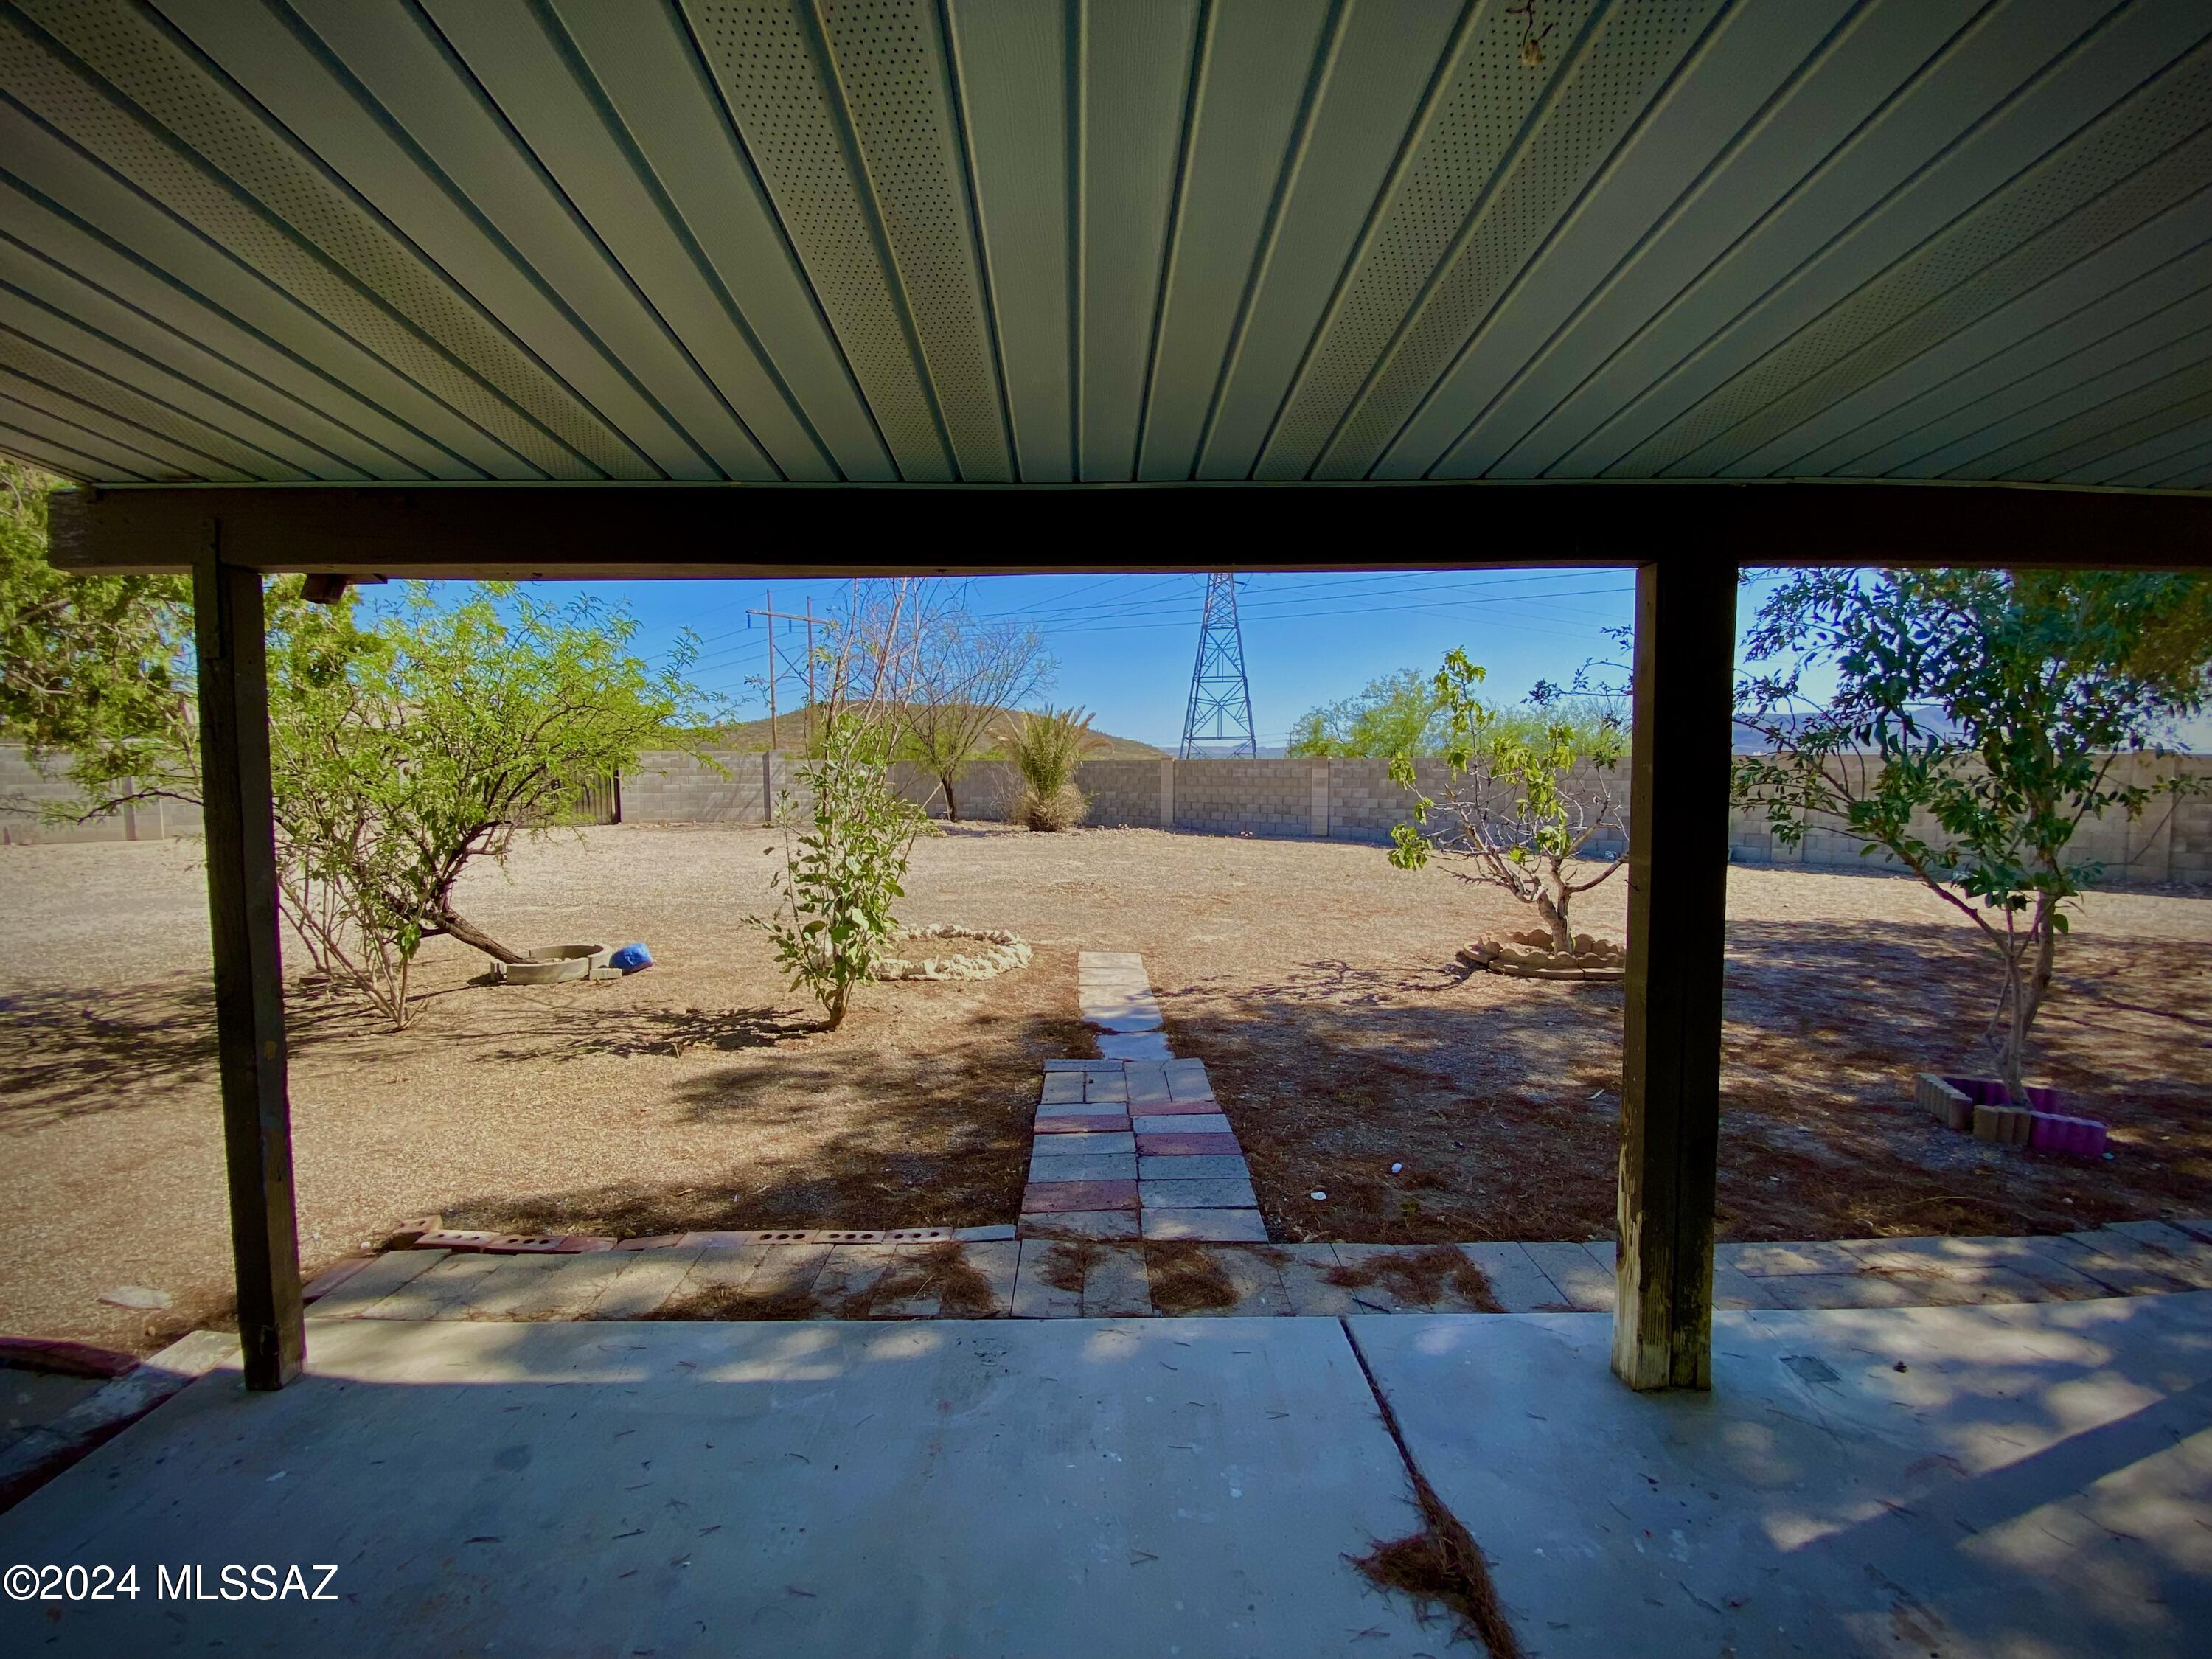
(842, 875)
(1046, 749)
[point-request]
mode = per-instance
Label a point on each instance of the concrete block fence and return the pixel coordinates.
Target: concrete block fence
(1296, 798)
(27, 790)
(1355, 800)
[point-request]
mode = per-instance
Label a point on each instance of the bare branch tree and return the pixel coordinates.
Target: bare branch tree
(965, 673)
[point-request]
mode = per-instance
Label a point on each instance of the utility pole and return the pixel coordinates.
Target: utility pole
(1219, 719)
(773, 616)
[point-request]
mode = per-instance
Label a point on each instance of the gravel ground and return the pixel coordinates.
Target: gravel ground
(1314, 980)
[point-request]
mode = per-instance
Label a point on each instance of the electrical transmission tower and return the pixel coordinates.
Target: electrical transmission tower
(1219, 720)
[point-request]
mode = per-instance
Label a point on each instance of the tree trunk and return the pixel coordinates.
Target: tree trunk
(2029, 988)
(952, 806)
(1553, 908)
(454, 926)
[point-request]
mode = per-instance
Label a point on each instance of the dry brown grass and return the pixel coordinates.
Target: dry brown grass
(1067, 1264)
(1316, 981)
(1185, 1278)
(713, 1302)
(1421, 1278)
(1440, 1566)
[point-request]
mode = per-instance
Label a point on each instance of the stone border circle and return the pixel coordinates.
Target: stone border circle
(1000, 951)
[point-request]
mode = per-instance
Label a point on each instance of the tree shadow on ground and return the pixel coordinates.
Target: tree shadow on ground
(665, 1032)
(940, 1138)
(71, 1053)
(1499, 1097)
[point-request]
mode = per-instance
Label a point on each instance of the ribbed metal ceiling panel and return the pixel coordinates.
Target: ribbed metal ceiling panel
(1043, 240)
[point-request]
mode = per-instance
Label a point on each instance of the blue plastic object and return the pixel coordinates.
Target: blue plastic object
(630, 958)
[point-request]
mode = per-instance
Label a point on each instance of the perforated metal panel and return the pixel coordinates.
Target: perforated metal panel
(2143, 156)
(764, 55)
(303, 209)
(890, 66)
(25, 355)
(1105, 240)
(1594, 102)
(1466, 133)
(132, 449)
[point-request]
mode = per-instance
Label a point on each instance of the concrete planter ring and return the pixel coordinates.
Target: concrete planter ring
(968, 953)
(552, 964)
(1530, 956)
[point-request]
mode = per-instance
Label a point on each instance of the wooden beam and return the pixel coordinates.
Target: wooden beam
(1677, 915)
(631, 531)
(249, 985)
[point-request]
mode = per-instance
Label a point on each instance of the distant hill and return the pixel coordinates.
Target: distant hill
(751, 737)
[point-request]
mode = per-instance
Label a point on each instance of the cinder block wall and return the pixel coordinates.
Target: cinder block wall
(1247, 796)
(26, 791)
(719, 786)
(1355, 800)
(1122, 793)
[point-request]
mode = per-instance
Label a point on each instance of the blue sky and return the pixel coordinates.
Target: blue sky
(1124, 645)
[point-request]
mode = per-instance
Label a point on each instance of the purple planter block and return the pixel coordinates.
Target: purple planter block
(1990, 1091)
(2043, 1124)
(2077, 1137)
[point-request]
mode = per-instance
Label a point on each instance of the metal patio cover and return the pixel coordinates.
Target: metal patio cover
(1098, 240)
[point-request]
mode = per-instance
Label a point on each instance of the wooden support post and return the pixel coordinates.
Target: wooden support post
(249, 985)
(1677, 916)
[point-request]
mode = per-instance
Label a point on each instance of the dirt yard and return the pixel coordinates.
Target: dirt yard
(1314, 980)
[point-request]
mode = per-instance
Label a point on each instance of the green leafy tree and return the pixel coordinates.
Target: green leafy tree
(1398, 714)
(1526, 791)
(842, 874)
(846, 867)
(1979, 719)
(404, 746)
(1046, 749)
(95, 670)
(403, 752)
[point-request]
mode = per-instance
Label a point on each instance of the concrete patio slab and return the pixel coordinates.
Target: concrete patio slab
(1188, 1145)
(813, 1490)
(1081, 1223)
(1517, 1283)
(1061, 1197)
(1234, 1226)
(1115, 1286)
(1303, 1269)
(1083, 1108)
(1142, 1045)
(1967, 1257)
(1085, 1166)
(1180, 1123)
(1234, 1193)
(379, 1278)
(2035, 1480)
(1765, 1261)
(1584, 1275)
(1083, 1146)
(1191, 1168)
(1035, 1296)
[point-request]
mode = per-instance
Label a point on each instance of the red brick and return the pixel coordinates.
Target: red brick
(652, 1242)
(1195, 1146)
(1056, 1197)
(584, 1244)
(1089, 1123)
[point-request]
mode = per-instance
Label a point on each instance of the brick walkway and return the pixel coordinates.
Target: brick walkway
(1134, 1145)
(1046, 1278)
